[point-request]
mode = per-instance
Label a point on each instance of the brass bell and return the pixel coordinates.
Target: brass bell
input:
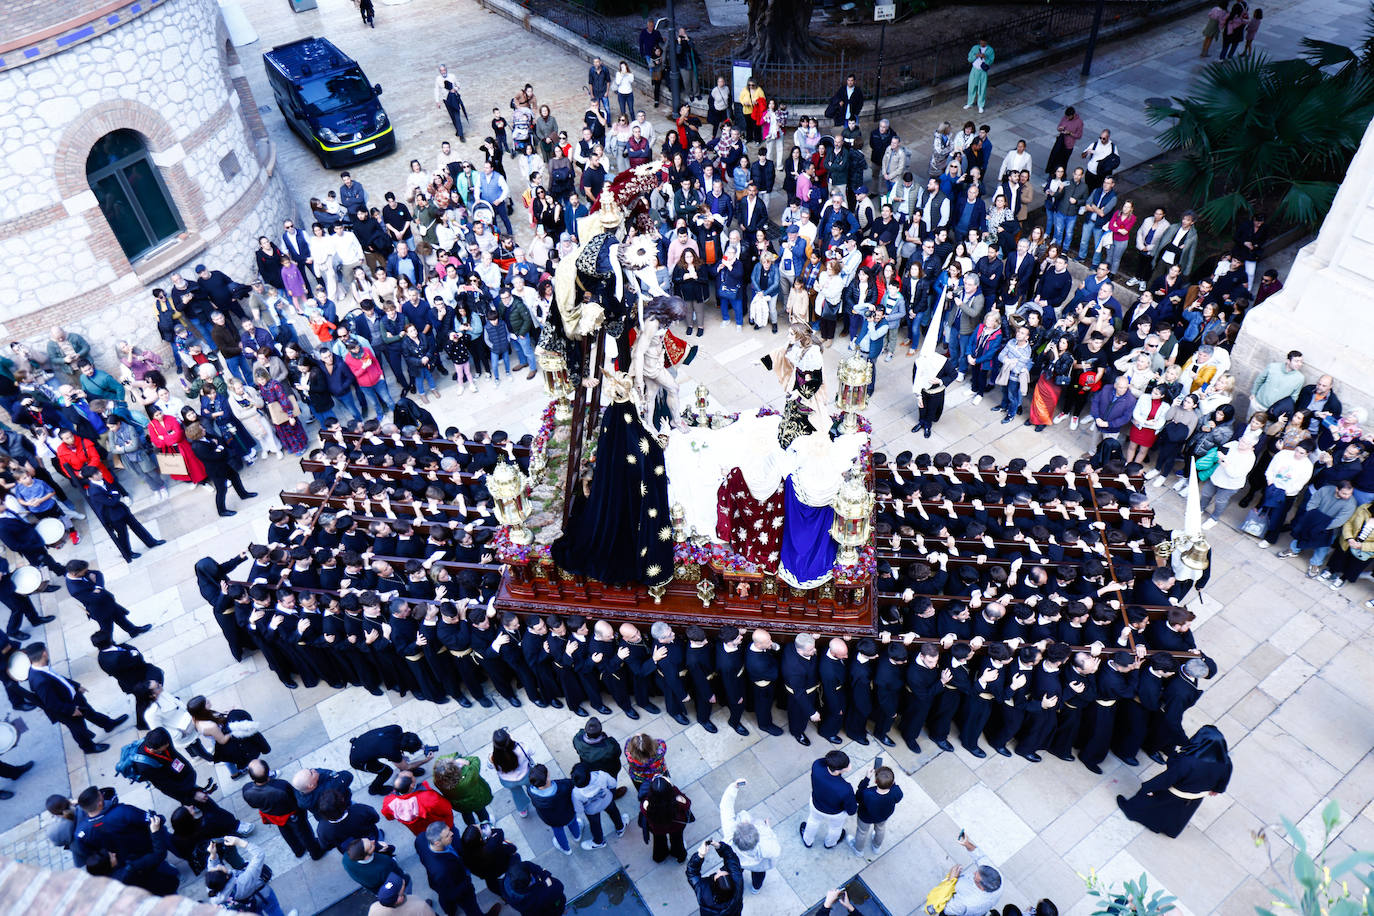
(1198, 556)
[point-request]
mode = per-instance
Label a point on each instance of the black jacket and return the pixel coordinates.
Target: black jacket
(128, 667)
(705, 888)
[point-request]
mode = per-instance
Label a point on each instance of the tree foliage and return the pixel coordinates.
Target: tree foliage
(1317, 887)
(1280, 132)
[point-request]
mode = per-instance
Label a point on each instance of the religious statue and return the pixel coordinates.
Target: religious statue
(650, 361)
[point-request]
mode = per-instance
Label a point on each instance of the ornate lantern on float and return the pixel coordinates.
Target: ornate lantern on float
(855, 374)
(679, 519)
(853, 507)
(510, 489)
(554, 367)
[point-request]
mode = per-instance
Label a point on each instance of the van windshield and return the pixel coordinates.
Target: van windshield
(342, 90)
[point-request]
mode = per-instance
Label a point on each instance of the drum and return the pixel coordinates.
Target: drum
(51, 530)
(18, 667)
(27, 579)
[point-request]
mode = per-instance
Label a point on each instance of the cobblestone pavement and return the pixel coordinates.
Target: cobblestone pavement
(1297, 664)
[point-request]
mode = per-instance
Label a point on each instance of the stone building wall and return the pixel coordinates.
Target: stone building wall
(170, 74)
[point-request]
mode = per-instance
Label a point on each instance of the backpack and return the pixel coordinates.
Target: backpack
(129, 755)
(560, 177)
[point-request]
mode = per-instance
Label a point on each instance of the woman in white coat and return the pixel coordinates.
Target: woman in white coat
(753, 841)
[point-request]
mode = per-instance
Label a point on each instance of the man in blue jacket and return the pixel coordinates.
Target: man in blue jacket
(448, 876)
(87, 586)
(1111, 409)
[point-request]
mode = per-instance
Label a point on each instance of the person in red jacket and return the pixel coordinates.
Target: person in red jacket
(362, 362)
(76, 453)
(416, 805)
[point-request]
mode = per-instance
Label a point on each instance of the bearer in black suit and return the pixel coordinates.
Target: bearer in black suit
(64, 701)
(109, 506)
(87, 586)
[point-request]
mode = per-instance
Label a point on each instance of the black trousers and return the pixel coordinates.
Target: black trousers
(1066, 731)
(119, 531)
(666, 844)
(10, 771)
(298, 835)
(763, 707)
(915, 716)
(21, 609)
(856, 722)
(1129, 734)
(1038, 731)
(976, 714)
(85, 738)
(946, 708)
(221, 485)
(464, 898)
(1101, 722)
(120, 618)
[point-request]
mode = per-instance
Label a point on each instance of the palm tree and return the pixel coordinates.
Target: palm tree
(1275, 133)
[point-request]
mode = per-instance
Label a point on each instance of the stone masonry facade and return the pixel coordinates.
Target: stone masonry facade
(172, 76)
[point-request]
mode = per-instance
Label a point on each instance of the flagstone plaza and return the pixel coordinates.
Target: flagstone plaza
(1296, 660)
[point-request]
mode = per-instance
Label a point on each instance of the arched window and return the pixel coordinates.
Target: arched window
(131, 193)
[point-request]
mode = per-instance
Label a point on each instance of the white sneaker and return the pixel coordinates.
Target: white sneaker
(1073, 423)
(1151, 474)
(980, 109)
(1209, 524)
(589, 845)
(1265, 545)
(566, 852)
(1061, 418)
(967, 107)
(977, 399)
(1181, 485)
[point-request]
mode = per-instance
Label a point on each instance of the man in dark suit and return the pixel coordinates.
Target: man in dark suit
(277, 803)
(148, 870)
(128, 667)
(64, 701)
(109, 506)
(21, 537)
(860, 691)
(802, 683)
(751, 212)
(105, 823)
(730, 655)
(701, 664)
(21, 606)
(215, 456)
(833, 678)
(87, 586)
(448, 876)
(761, 667)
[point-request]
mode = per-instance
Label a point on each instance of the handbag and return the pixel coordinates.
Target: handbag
(1256, 521)
(710, 251)
(277, 413)
(171, 463)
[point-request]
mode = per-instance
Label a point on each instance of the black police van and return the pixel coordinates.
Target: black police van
(327, 100)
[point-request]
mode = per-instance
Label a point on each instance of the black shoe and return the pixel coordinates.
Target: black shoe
(116, 722)
(485, 702)
(913, 747)
(22, 768)
(292, 685)
(1033, 757)
(96, 748)
(803, 740)
(556, 704)
(700, 331)
(926, 432)
(24, 707)
(541, 704)
(249, 496)
(1067, 758)
(579, 711)
(680, 719)
(375, 691)
(631, 714)
(1158, 758)
(1129, 761)
(944, 745)
(224, 514)
(1093, 768)
(464, 702)
(1121, 802)
(157, 543)
(741, 731)
(775, 329)
(650, 708)
(976, 751)
(1003, 751)
(603, 710)
(42, 619)
(861, 740)
(885, 741)
(52, 588)
(138, 631)
(133, 556)
(427, 750)
(6, 794)
(18, 635)
(839, 841)
(772, 730)
(514, 701)
(801, 832)
(916, 428)
(835, 739)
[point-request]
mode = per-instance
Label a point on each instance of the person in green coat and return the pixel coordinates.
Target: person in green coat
(459, 779)
(980, 59)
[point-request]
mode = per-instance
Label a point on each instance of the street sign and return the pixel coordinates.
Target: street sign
(884, 11)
